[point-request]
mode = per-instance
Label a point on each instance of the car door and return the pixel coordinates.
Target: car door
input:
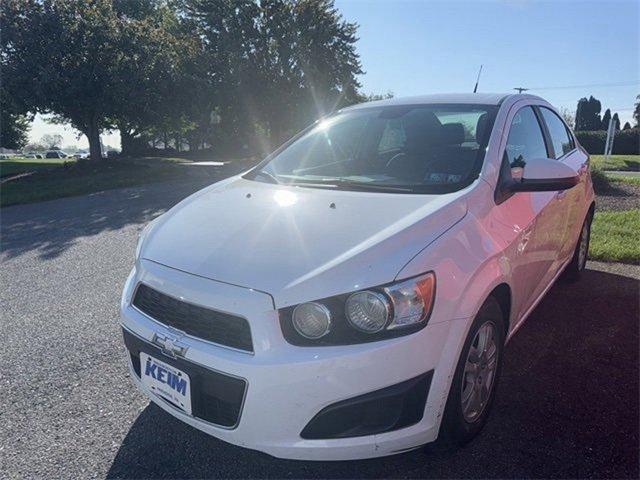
(530, 216)
(570, 202)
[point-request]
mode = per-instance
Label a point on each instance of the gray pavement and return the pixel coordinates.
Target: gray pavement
(567, 404)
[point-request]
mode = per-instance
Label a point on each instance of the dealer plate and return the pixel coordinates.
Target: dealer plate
(166, 381)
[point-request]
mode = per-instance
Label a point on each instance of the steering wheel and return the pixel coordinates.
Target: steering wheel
(395, 158)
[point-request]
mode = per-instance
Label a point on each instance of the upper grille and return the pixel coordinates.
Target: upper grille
(200, 322)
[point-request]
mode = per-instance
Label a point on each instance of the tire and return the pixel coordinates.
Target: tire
(581, 253)
(460, 425)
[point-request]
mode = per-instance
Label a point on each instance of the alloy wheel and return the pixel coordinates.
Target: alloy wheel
(479, 372)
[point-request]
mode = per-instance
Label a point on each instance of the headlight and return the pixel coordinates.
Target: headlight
(368, 311)
(374, 314)
(312, 320)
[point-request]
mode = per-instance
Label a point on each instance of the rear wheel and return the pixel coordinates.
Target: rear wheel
(474, 383)
(581, 253)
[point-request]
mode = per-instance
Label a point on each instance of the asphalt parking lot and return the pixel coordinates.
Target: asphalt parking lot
(567, 404)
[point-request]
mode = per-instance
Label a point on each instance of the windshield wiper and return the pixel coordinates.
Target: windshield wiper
(271, 178)
(339, 183)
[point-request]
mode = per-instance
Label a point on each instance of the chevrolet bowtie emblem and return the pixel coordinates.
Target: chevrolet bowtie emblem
(170, 345)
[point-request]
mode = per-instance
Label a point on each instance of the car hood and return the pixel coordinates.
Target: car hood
(298, 244)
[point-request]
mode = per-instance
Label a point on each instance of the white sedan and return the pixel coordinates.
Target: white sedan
(351, 296)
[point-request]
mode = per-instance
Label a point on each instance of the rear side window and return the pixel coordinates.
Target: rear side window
(560, 137)
(525, 141)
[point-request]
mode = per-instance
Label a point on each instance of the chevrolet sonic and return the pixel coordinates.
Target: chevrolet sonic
(351, 296)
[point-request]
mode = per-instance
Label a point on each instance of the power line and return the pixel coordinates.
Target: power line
(593, 85)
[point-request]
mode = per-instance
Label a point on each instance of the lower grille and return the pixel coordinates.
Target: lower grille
(385, 410)
(215, 397)
(200, 322)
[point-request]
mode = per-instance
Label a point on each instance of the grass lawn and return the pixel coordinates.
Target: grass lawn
(615, 236)
(617, 162)
(14, 166)
(55, 179)
(613, 178)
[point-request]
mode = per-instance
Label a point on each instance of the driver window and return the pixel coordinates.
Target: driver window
(525, 141)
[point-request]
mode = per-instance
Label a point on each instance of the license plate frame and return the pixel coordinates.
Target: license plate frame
(166, 381)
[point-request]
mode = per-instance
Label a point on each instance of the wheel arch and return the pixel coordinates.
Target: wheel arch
(502, 293)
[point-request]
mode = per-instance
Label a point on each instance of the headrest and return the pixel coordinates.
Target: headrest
(481, 126)
(452, 134)
(421, 131)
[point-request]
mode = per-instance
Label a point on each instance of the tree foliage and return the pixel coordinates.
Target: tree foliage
(87, 63)
(606, 118)
(588, 114)
(51, 142)
(568, 117)
(275, 65)
(196, 72)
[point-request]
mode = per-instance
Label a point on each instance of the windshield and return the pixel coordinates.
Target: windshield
(412, 149)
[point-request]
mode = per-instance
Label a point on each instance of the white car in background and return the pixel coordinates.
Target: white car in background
(351, 296)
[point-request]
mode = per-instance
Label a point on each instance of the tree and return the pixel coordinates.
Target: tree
(51, 142)
(568, 117)
(616, 122)
(91, 64)
(588, 114)
(164, 82)
(636, 112)
(275, 65)
(61, 58)
(14, 125)
(34, 147)
(14, 130)
(627, 126)
(606, 118)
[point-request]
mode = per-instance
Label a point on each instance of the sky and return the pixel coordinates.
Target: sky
(562, 50)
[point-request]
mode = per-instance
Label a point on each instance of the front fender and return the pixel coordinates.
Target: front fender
(468, 263)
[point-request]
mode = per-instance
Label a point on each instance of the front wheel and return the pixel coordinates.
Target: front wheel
(474, 383)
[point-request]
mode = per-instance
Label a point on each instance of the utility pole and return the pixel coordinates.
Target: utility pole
(611, 133)
(521, 89)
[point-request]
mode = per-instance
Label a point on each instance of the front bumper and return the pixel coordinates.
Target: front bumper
(286, 386)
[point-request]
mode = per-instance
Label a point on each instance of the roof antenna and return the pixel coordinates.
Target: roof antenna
(475, 89)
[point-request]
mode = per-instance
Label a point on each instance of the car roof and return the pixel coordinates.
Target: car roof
(445, 98)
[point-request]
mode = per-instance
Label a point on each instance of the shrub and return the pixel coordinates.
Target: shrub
(625, 142)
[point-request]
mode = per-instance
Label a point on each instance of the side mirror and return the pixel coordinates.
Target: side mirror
(539, 175)
(545, 175)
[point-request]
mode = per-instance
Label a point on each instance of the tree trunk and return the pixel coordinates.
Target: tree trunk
(95, 149)
(126, 141)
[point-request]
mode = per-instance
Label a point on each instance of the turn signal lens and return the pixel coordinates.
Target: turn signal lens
(312, 320)
(412, 300)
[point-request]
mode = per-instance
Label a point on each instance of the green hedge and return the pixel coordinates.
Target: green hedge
(626, 142)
